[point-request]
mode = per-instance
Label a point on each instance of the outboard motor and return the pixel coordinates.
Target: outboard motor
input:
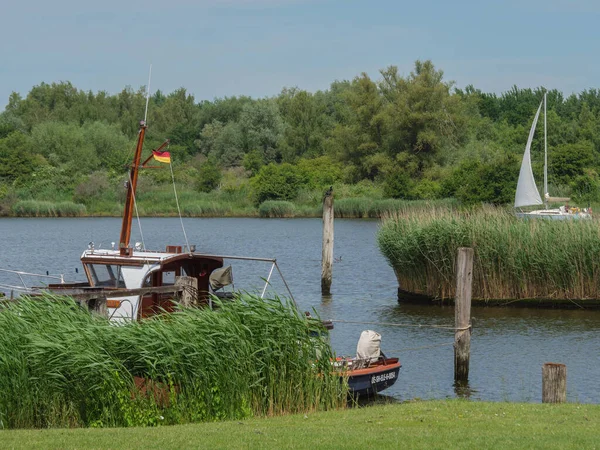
(369, 346)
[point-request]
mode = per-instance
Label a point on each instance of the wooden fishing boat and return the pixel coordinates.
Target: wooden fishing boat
(135, 282)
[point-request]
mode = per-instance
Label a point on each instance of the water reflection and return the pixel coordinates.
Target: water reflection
(464, 390)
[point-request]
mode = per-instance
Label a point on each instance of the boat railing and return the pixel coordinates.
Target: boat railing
(21, 285)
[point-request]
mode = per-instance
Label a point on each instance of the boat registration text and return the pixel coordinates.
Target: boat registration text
(383, 377)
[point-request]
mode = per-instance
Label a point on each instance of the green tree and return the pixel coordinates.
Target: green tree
(65, 145)
(262, 128)
(568, 161)
(209, 176)
(303, 135)
(398, 184)
(16, 159)
(110, 145)
(253, 161)
(586, 188)
(421, 115)
(222, 142)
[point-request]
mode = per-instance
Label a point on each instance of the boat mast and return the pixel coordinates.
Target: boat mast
(545, 155)
(131, 186)
(132, 182)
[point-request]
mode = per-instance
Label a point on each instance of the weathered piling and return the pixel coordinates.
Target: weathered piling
(98, 306)
(462, 314)
(189, 295)
(327, 256)
(554, 383)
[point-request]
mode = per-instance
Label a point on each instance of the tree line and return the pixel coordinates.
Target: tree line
(412, 136)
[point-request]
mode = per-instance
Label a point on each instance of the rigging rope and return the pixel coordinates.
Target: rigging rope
(406, 325)
(423, 347)
(137, 215)
(178, 208)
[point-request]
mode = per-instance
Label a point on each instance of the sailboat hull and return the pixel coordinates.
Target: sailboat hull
(553, 214)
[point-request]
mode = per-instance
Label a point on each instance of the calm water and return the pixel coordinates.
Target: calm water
(509, 346)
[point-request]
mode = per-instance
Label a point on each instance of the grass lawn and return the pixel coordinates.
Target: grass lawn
(423, 424)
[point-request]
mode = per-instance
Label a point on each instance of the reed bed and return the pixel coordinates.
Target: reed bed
(363, 207)
(63, 367)
(276, 208)
(37, 208)
(513, 258)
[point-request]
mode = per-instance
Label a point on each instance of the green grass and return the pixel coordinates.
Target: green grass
(62, 367)
(363, 200)
(276, 208)
(36, 208)
(429, 424)
(514, 258)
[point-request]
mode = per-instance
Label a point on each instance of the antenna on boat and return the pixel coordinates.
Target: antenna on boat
(148, 94)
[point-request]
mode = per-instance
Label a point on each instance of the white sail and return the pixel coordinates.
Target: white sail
(527, 192)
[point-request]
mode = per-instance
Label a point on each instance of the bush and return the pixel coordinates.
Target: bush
(398, 184)
(94, 187)
(253, 161)
(320, 172)
(586, 188)
(277, 182)
(476, 182)
(427, 189)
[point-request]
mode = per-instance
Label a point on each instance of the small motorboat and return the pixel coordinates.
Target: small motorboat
(370, 371)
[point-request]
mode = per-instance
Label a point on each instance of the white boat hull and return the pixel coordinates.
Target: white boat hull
(553, 214)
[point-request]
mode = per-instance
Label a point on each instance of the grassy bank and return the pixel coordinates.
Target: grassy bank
(62, 367)
(220, 204)
(514, 259)
(431, 424)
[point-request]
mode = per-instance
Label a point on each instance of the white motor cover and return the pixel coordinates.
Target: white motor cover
(369, 346)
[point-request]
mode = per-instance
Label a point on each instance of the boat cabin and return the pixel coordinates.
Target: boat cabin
(110, 269)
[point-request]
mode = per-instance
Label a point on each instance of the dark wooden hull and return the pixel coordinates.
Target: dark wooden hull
(375, 378)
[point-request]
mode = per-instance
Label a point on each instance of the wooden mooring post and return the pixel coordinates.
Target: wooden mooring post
(462, 314)
(554, 383)
(327, 257)
(189, 294)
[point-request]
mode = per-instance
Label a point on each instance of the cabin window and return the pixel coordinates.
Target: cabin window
(107, 275)
(168, 278)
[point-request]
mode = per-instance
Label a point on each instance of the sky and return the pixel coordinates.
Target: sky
(218, 48)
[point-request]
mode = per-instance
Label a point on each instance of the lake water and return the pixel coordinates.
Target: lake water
(508, 347)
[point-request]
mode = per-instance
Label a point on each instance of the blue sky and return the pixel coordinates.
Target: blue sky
(217, 48)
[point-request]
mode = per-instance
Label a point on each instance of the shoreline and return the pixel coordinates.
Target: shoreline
(538, 303)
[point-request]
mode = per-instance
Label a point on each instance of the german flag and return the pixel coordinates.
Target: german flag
(163, 157)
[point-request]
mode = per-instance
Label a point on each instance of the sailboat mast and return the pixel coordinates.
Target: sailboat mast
(131, 186)
(545, 154)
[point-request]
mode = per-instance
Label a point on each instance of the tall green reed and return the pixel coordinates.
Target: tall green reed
(514, 258)
(61, 366)
(37, 208)
(276, 208)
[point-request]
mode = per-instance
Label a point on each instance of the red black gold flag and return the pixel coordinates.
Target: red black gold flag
(163, 157)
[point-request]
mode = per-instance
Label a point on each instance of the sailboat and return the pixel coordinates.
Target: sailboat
(527, 192)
